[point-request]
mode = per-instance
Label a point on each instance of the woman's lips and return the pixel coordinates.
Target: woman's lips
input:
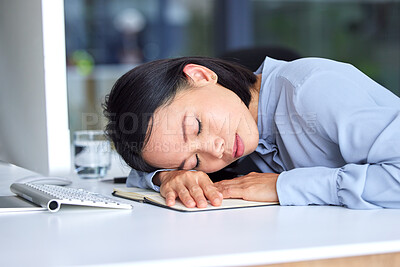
(238, 147)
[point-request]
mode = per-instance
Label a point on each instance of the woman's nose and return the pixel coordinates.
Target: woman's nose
(215, 147)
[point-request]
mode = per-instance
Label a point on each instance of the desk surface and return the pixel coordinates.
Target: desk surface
(150, 236)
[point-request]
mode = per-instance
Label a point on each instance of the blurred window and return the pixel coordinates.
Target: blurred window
(104, 39)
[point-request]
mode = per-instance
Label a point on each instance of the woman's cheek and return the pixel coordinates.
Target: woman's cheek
(215, 167)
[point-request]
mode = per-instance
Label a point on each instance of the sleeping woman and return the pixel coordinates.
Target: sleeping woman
(316, 132)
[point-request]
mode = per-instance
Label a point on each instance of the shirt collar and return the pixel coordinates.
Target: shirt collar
(267, 101)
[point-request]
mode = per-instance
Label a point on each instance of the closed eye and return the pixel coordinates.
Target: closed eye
(200, 126)
(198, 133)
(198, 161)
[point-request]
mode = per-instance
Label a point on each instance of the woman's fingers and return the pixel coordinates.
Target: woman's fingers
(193, 188)
(171, 194)
(253, 186)
(170, 197)
(211, 193)
(208, 190)
(198, 195)
(233, 192)
(230, 188)
(201, 188)
(185, 197)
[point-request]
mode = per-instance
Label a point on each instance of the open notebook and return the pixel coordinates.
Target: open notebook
(152, 197)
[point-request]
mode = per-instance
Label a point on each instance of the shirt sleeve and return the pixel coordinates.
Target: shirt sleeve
(366, 127)
(143, 179)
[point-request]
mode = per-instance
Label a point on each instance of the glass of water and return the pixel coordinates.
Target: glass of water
(92, 153)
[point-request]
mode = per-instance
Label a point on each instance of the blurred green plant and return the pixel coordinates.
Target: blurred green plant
(83, 61)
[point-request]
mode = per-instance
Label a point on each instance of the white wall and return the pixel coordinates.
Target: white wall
(33, 98)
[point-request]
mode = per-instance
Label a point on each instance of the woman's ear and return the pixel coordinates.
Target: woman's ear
(200, 75)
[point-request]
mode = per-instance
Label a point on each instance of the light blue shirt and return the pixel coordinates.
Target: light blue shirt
(331, 132)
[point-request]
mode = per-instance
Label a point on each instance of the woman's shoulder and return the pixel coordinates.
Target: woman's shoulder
(298, 71)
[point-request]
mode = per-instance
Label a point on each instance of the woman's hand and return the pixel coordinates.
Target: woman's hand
(192, 187)
(253, 186)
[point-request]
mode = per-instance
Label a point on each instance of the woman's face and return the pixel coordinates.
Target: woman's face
(205, 128)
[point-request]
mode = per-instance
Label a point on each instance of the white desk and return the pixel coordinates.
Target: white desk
(153, 236)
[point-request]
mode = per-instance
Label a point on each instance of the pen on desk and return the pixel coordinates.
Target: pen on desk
(120, 180)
